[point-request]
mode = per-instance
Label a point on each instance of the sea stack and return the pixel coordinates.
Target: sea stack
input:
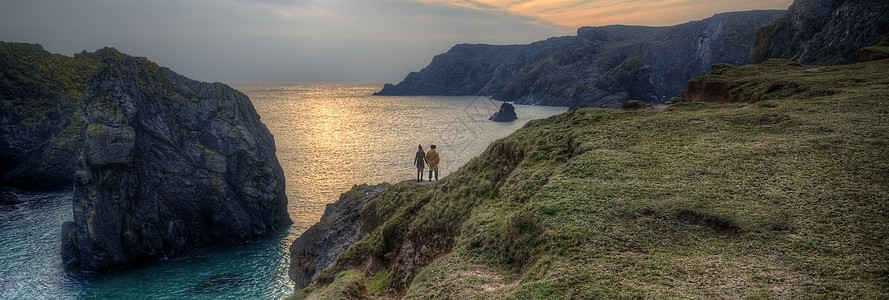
(505, 114)
(167, 163)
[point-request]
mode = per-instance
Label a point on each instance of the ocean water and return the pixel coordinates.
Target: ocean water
(329, 137)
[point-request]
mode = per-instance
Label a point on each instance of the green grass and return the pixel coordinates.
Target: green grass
(878, 51)
(782, 192)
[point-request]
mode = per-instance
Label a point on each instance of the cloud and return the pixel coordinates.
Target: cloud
(312, 40)
(577, 13)
(268, 40)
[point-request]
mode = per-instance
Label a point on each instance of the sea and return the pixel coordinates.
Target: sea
(329, 137)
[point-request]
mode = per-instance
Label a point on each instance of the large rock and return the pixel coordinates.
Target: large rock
(824, 32)
(506, 113)
(600, 66)
(167, 163)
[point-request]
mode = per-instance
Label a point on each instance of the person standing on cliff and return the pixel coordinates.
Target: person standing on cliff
(432, 160)
(420, 162)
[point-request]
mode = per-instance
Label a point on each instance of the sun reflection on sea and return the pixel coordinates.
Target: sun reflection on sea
(332, 136)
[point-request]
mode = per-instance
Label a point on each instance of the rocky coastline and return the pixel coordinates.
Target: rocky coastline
(158, 163)
(598, 67)
(167, 163)
(341, 226)
(506, 225)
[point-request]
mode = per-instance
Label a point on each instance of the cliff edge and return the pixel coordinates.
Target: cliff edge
(776, 193)
(768, 184)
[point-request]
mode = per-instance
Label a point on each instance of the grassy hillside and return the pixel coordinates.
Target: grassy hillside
(780, 190)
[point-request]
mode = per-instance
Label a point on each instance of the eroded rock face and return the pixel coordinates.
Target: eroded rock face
(167, 163)
(601, 66)
(339, 228)
(824, 32)
(39, 133)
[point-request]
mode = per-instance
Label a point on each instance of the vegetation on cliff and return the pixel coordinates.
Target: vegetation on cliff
(777, 190)
(39, 114)
(823, 32)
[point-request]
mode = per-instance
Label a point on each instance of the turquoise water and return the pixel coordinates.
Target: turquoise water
(329, 137)
(31, 268)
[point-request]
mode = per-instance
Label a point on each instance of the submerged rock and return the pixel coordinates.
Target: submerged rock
(505, 114)
(167, 163)
(220, 283)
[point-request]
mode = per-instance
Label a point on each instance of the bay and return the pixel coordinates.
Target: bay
(329, 137)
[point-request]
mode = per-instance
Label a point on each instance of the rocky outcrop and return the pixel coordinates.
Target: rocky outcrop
(38, 115)
(339, 228)
(464, 70)
(824, 32)
(505, 114)
(600, 66)
(167, 163)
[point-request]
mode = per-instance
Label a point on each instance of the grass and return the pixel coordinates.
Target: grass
(780, 192)
(878, 51)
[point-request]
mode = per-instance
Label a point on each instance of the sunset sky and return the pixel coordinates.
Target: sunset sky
(322, 40)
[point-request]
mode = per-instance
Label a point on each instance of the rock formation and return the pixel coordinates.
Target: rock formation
(600, 66)
(339, 228)
(167, 163)
(505, 114)
(824, 32)
(38, 112)
(813, 32)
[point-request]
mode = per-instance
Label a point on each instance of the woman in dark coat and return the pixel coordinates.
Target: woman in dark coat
(420, 162)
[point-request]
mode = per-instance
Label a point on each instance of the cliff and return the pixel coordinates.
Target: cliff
(824, 32)
(775, 191)
(506, 113)
(39, 115)
(341, 226)
(600, 66)
(165, 164)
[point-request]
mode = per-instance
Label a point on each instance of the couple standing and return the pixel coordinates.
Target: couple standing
(421, 159)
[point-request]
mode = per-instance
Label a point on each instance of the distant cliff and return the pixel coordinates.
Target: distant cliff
(600, 66)
(165, 163)
(39, 129)
(824, 32)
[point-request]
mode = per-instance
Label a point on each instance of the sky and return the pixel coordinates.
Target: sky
(377, 41)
